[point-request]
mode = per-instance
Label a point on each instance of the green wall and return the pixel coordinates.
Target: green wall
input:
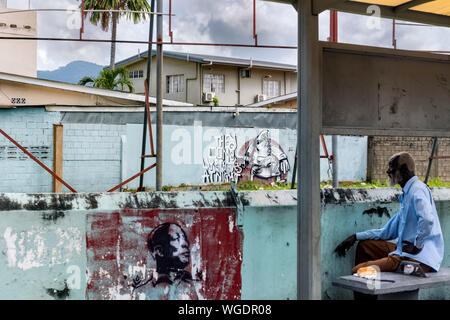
(43, 237)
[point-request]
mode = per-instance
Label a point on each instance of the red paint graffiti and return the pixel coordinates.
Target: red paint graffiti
(164, 254)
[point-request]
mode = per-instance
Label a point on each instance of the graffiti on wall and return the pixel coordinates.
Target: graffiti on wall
(161, 254)
(169, 247)
(260, 158)
(222, 163)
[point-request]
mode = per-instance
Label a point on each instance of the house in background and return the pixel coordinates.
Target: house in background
(197, 78)
(18, 56)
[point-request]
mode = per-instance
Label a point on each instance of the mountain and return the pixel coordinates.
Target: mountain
(72, 73)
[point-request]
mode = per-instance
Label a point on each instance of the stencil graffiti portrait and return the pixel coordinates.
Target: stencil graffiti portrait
(260, 158)
(176, 254)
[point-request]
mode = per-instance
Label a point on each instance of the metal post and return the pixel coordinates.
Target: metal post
(334, 142)
(394, 39)
(309, 128)
(334, 138)
(159, 96)
(149, 74)
(295, 170)
(430, 160)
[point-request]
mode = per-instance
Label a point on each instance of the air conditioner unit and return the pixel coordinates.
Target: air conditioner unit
(246, 73)
(260, 97)
(208, 96)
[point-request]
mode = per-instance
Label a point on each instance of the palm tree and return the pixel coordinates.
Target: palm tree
(112, 18)
(116, 79)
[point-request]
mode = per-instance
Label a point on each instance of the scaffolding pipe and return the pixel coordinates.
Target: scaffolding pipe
(147, 94)
(37, 161)
(159, 96)
(430, 160)
(147, 42)
(170, 21)
(255, 36)
(132, 178)
(335, 178)
(334, 138)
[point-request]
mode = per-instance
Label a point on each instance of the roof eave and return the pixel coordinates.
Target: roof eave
(400, 12)
(84, 89)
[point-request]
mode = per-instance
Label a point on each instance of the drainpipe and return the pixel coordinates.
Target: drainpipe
(238, 91)
(191, 79)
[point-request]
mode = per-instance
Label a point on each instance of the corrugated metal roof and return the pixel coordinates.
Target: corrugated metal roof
(203, 58)
(436, 12)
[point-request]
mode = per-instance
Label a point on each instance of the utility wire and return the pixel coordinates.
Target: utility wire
(86, 11)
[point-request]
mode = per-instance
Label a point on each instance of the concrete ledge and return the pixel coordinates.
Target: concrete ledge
(403, 283)
(113, 201)
(194, 199)
(380, 195)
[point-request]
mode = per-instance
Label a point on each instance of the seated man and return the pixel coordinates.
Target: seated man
(415, 226)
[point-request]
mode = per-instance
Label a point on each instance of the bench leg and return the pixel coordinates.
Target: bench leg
(406, 295)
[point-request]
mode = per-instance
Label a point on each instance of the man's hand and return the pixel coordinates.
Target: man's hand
(345, 245)
(408, 247)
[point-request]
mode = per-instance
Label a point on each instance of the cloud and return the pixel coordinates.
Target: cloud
(225, 21)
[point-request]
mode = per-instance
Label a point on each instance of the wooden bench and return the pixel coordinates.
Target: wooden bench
(395, 286)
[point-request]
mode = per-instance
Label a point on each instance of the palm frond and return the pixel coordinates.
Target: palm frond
(86, 80)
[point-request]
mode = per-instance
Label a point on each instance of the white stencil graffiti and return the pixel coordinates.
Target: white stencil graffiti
(221, 164)
(265, 158)
(260, 158)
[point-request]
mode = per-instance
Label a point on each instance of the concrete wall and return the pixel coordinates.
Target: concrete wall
(188, 153)
(33, 129)
(95, 160)
(92, 156)
(93, 245)
(380, 149)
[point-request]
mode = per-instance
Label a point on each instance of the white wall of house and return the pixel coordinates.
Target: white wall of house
(238, 90)
(18, 57)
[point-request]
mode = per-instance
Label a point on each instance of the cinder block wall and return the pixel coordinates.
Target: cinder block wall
(33, 129)
(92, 156)
(91, 160)
(380, 149)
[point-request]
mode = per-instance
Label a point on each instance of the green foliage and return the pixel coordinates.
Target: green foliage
(116, 79)
(216, 102)
(105, 17)
(257, 185)
(437, 183)
(137, 10)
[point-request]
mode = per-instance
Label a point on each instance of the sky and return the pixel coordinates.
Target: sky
(218, 21)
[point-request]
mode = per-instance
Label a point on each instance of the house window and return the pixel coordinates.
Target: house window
(136, 74)
(214, 83)
(175, 83)
(271, 88)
